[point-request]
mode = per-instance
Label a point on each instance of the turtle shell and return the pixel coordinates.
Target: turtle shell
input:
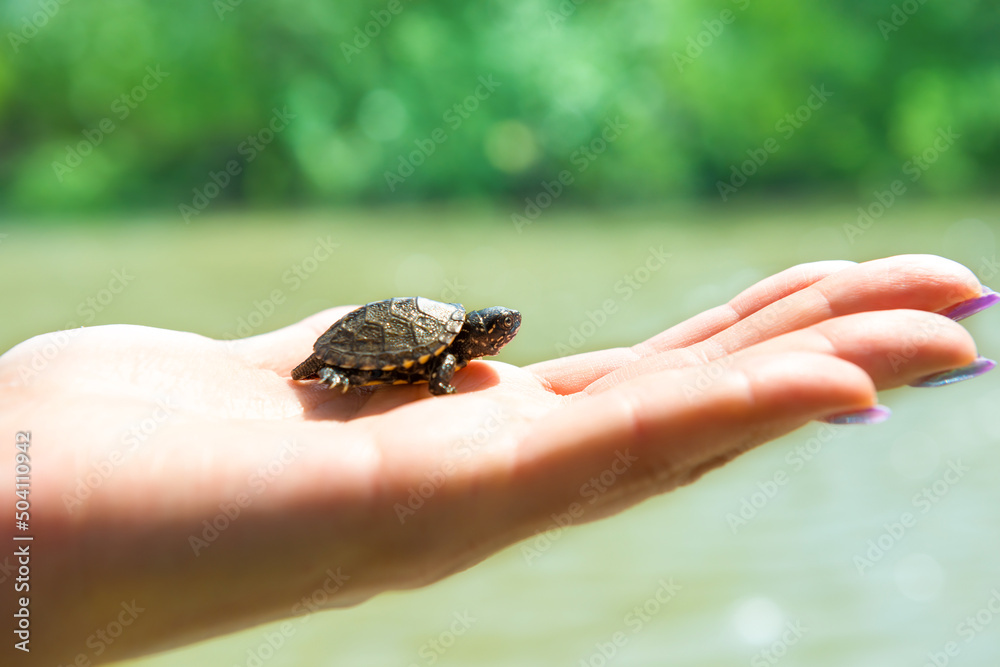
(392, 333)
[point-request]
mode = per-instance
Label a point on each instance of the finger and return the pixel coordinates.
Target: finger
(749, 301)
(575, 372)
(283, 349)
(894, 348)
(919, 282)
(666, 429)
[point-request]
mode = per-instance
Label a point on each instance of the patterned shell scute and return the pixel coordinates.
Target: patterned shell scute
(389, 333)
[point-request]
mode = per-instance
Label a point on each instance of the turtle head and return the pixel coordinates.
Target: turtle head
(485, 332)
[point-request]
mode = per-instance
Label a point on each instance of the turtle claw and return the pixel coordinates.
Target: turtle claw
(331, 378)
(441, 389)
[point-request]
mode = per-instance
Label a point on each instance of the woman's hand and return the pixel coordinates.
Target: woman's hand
(187, 485)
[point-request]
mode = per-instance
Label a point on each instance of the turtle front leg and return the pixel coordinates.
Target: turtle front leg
(333, 377)
(440, 382)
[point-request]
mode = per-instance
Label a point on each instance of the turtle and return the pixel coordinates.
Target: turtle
(406, 340)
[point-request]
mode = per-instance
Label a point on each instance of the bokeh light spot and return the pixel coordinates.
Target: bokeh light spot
(511, 146)
(382, 116)
(758, 620)
(919, 577)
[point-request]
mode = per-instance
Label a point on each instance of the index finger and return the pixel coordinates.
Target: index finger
(573, 373)
(915, 282)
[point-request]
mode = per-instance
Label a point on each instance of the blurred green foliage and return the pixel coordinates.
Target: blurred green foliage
(110, 104)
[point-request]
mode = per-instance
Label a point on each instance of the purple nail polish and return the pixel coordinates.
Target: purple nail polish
(962, 310)
(872, 415)
(976, 368)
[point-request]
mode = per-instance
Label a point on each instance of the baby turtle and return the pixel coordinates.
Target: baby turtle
(407, 340)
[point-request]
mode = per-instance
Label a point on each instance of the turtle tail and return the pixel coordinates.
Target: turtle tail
(308, 368)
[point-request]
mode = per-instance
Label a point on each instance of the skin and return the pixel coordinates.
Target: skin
(810, 342)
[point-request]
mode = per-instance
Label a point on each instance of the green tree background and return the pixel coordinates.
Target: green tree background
(698, 87)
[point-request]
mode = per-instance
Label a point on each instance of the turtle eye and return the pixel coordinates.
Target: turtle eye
(507, 322)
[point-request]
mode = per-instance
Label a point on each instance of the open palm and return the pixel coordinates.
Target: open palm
(194, 477)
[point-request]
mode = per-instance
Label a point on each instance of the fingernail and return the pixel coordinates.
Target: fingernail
(962, 310)
(976, 368)
(872, 415)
